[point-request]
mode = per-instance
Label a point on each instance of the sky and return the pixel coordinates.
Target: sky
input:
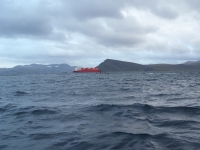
(86, 32)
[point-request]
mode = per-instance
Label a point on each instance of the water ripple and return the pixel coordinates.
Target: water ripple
(129, 111)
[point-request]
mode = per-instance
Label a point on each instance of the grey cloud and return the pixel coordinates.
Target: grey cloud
(24, 26)
(130, 25)
(112, 32)
(157, 7)
(102, 23)
(194, 4)
(165, 12)
(120, 40)
(43, 17)
(84, 9)
(17, 20)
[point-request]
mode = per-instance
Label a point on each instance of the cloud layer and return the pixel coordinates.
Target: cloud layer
(85, 32)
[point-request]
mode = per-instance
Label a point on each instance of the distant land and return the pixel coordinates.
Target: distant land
(110, 65)
(37, 69)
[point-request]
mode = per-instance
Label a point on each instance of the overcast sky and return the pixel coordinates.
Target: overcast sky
(86, 32)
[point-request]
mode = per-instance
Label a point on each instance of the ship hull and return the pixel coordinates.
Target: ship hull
(86, 71)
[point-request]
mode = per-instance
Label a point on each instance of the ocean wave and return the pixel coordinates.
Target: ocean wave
(174, 123)
(132, 111)
(117, 141)
(146, 108)
(33, 110)
(3, 146)
(8, 108)
(20, 93)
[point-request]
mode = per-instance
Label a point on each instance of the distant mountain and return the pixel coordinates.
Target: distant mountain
(190, 65)
(109, 65)
(192, 62)
(116, 65)
(37, 69)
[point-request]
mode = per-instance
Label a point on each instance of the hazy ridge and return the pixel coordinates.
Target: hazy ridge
(109, 65)
(38, 69)
(117, 65)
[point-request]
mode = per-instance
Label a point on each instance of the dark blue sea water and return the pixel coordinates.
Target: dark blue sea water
(116, 111)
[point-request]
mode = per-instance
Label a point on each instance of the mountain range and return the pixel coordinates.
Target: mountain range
(37, 69)
(109, 65)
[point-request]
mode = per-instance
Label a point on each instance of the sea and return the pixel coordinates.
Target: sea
(108, 111)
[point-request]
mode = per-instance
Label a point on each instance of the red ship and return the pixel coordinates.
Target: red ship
(86, 70)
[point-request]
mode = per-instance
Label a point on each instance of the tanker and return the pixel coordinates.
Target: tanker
(87, 70)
